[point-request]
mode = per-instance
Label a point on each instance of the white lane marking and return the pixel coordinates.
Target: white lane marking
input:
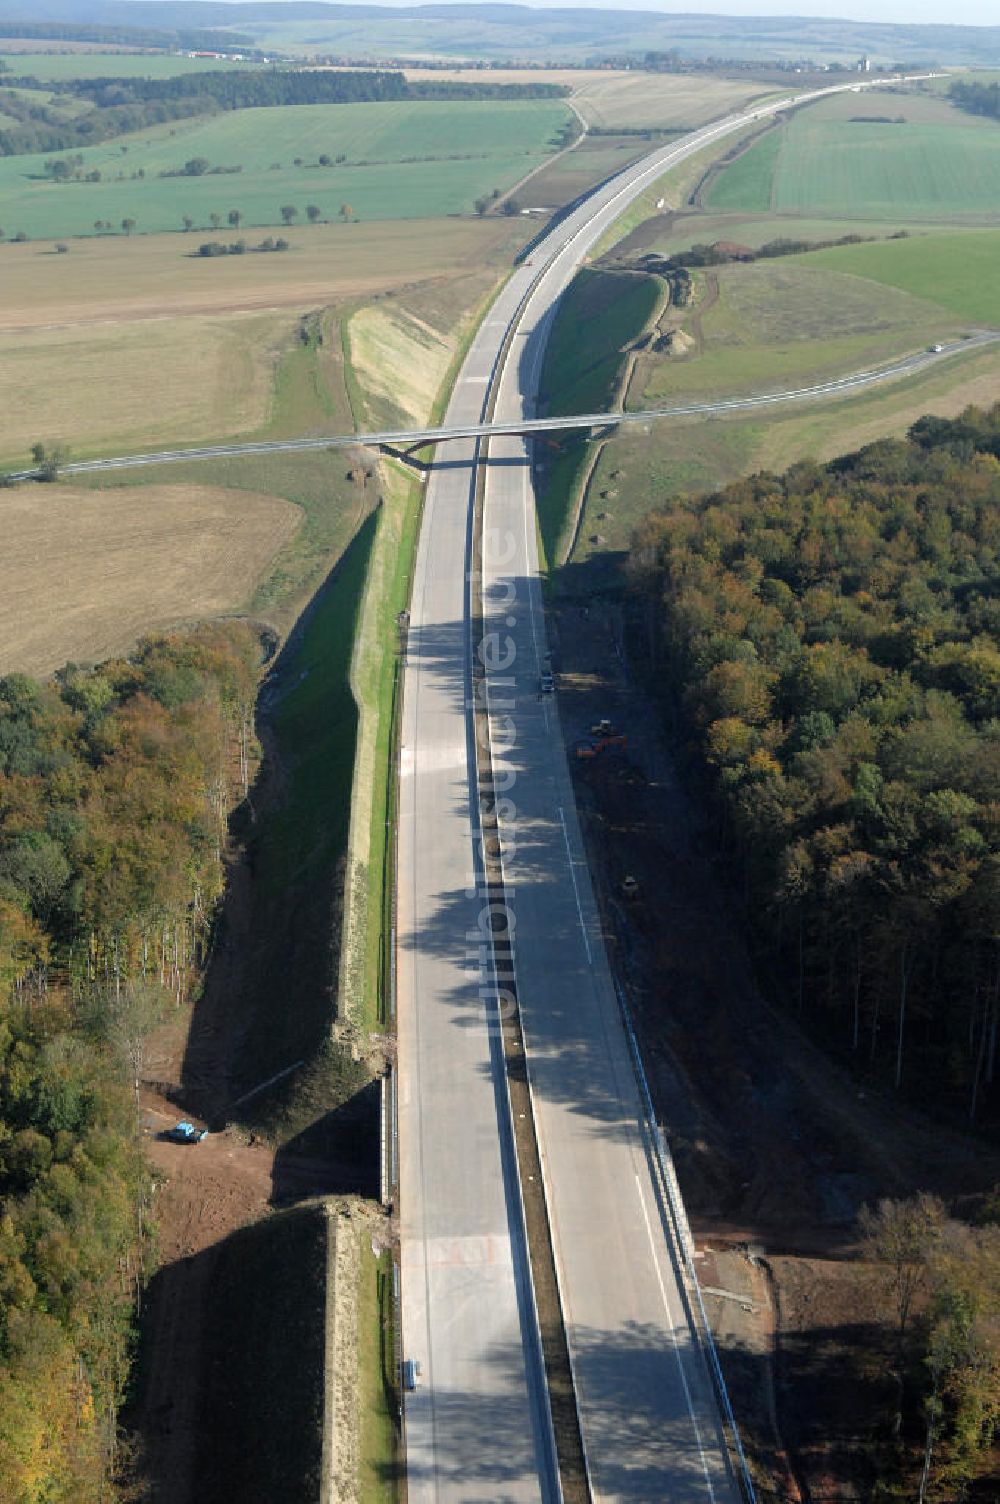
(474, 378)
(576, 890)
(673, 1336)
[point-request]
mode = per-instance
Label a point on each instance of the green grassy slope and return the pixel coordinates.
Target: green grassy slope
(598, 315)
(783, 323)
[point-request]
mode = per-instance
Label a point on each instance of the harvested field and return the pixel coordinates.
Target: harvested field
(612, 98)
(80, 334)
(124, 562)
(573, 172)
(154, 277)
(641, 100)
(132, 385)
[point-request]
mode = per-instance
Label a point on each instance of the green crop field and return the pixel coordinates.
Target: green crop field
(59, 65)
(957, 271)
(402, 161)
(936, 164)
(747, 183)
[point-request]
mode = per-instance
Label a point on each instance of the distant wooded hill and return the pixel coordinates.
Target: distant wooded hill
(123, 36)
(510, 30)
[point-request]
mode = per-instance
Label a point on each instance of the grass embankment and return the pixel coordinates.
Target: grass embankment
(600, 314)
(433, 358)
(400, 160)
(374, 679)
(642, 469)
(378, 1401)
(330, 708)
(261, 1430)
(296, 849)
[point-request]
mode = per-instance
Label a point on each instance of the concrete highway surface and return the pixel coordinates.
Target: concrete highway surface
(648, 1414)
(477, 1425)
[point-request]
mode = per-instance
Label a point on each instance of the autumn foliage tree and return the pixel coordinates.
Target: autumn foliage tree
(115, 787)
(829, 640)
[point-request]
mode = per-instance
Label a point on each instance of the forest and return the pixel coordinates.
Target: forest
(826, 640)
(115, 789)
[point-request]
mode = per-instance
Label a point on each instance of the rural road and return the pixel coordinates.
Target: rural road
(404, 438)
(477, 1426)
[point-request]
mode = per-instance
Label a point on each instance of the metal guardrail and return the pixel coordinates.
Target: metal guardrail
(685, 1242)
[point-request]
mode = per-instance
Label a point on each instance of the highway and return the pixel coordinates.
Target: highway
(476, 1426)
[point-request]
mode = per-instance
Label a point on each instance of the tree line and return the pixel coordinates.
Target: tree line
(40, 128)
(721, 253)
(120, 106)
(115, 784)
(978, 99)
(827, 638)
(247, 90)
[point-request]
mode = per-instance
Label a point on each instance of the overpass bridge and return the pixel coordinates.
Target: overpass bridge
(403, 443)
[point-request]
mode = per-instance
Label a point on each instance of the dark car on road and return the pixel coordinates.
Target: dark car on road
(186, 1133)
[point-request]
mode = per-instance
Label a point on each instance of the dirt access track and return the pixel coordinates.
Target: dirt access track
(776, 1147)
(204, 1192)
